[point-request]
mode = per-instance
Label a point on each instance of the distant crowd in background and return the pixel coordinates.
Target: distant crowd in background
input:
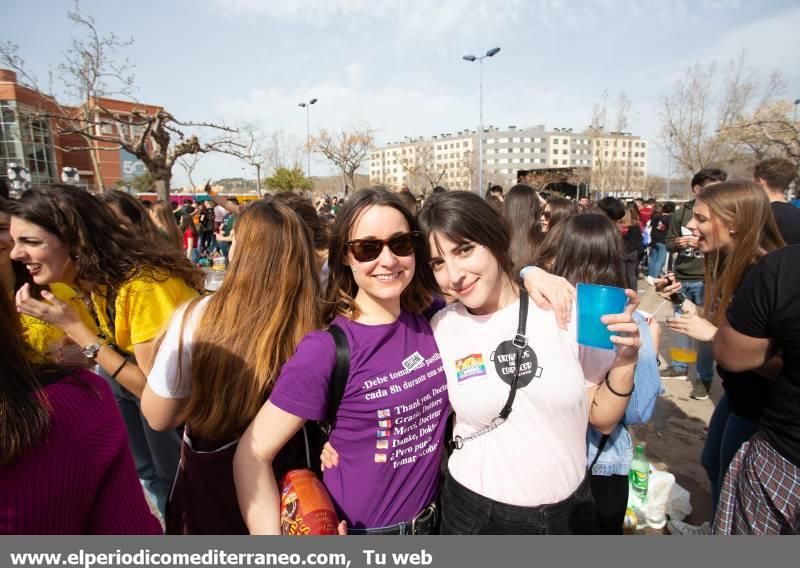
(411, 327)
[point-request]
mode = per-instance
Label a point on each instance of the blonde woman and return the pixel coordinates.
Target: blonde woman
(734, 228)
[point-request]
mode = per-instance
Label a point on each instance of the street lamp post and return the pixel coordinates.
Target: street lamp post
(471, 58)
(307, 106)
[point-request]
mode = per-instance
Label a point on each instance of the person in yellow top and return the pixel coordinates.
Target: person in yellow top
(50, 342)
(130, 285)
(47, 342)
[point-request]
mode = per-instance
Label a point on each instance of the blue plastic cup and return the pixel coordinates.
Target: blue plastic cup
(594, 302)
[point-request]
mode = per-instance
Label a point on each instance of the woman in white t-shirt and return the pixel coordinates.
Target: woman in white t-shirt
(220, 358)
(519, 459)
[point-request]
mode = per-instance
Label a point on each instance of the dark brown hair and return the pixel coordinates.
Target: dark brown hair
(133, 209)
(589, 250)
(305, 209)
(342, 288)
(104, 252)
(560, 209)
(24, 411)
(777, 172)
(523, 214)
(462, 216)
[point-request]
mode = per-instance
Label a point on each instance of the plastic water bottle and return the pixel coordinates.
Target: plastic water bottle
(638, 477)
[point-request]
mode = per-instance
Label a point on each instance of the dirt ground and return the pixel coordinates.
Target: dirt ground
(676, 433)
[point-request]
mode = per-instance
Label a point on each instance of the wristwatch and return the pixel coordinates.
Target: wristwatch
(90, 352)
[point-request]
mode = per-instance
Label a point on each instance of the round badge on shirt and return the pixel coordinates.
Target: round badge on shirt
(503, 358)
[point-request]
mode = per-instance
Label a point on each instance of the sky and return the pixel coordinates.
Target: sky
(396, 66)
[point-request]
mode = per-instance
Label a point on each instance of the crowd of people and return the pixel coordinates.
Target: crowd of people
(138, 402)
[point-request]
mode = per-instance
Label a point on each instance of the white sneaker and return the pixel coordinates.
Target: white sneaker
(651, 280)
(685, 529)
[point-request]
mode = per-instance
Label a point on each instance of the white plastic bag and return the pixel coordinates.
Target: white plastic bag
(665, 497)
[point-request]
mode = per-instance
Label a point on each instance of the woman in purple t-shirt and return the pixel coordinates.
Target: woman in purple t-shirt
(391, 420)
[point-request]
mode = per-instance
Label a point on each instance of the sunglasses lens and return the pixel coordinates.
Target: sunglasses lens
(402, 245)
(364, 251)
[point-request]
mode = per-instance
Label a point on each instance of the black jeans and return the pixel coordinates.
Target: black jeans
(466, 512)
(610, 494)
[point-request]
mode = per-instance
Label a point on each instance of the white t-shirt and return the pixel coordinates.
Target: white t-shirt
(164, 379)
(538, 456)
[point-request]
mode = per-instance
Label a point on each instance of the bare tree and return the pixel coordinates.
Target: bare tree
(607, 170)
(283, 150)
(346, 149)
(188, 163)
(90, 70)
(254, 149)
(705, 103)
(767, 132)
(422, 167)
(90, 73)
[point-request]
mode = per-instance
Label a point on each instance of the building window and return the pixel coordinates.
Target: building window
(555, 140)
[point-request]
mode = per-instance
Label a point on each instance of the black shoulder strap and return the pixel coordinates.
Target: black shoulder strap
(340, 373)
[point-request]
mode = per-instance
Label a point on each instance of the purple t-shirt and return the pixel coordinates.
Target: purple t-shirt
(391, 422)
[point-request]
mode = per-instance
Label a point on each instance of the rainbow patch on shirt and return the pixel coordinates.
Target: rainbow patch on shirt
(470, 366)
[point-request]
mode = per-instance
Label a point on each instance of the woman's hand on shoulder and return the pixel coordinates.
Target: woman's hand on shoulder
(627, 339)
(329, 457)
(551, 292)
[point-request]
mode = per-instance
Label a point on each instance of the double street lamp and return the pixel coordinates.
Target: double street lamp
(307, 106)
(471, 58)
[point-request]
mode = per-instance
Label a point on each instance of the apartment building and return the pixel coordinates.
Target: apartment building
(605, 161)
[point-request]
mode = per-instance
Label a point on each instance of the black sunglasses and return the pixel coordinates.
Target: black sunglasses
(365, 250)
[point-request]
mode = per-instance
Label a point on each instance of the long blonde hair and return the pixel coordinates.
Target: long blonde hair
(164, 219)
(744, 206)
(252, 325)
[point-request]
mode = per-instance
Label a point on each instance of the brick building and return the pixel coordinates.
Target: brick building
(37, 142)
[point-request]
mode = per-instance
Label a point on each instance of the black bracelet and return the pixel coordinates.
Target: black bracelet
(619, 394)
(125, 362)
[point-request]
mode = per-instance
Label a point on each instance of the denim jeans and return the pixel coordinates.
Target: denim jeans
(466, 512)
(726, 434)
(156, 454)
(705, 359)
(658, 256)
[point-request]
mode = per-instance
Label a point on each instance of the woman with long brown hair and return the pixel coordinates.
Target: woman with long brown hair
(735, 229)
(556, 210)
(393, 412)
(522, 210)
(129, 284)
(221, 356)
